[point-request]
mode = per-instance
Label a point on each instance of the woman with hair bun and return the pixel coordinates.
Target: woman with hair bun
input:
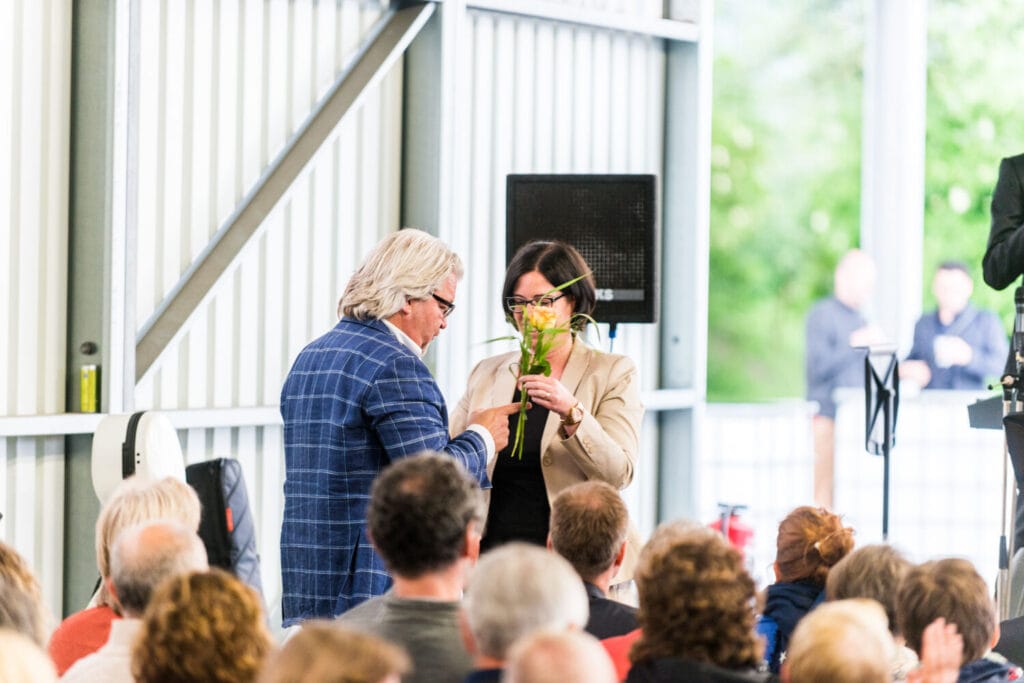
(810, 542)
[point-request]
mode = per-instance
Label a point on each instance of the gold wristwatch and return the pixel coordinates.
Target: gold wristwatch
(574, 417)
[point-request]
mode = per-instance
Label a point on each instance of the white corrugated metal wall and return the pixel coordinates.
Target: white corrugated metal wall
(35, 77)
(222, 85)
(543, 97)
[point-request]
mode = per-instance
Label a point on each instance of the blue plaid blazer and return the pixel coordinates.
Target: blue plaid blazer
(354, 400)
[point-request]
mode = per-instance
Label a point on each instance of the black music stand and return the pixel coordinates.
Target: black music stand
(881, 404)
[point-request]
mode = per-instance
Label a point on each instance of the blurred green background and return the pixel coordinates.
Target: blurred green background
(785, 177)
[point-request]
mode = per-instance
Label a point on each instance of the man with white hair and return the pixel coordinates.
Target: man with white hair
(559, 657)
(141, 558)
(515, 590)
(356, 399)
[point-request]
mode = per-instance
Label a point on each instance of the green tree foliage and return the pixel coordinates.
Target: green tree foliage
(785, 183)
(974, 120)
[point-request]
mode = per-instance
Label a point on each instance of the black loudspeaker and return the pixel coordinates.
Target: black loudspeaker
(610, 219)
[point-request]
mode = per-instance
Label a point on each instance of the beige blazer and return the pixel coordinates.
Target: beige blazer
(606, 442)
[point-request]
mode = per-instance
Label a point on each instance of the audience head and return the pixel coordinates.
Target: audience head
(135, 501)
(841, 642)
(204, 626)
(517, 589)
(695, 600)
(589, 522)
(811, 540)
(952, 286)
(21, 606)
(425, 513)
(559, 263)
(22, 659)
(559, 657)
(144, 555)
(874, 572)
(952, 589)
(855, 278)
(407, 265)
(324, 652)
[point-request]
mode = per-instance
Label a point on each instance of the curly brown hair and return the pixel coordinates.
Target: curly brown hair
(811, 540)
(696, 601)
(203, 626)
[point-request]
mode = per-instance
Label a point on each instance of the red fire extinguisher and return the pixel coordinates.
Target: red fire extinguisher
(738, 533)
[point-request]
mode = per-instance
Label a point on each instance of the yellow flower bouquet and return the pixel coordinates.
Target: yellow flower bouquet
(536, 338)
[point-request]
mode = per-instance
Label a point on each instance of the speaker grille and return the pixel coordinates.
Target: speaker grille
(610, 219)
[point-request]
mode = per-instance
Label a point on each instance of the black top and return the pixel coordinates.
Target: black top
(608, 618)
(672, 670)
(519, 509)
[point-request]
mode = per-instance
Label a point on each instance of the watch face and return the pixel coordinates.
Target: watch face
(576, 414)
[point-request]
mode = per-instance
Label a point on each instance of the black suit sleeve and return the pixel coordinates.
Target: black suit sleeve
(1004, 258)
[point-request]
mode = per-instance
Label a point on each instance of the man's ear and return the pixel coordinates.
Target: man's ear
(784, 672)
(548, 542)
(995, 635)
(112, 592)
(471, 542)
(620, 556)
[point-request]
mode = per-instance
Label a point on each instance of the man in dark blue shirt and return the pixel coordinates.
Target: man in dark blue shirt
(835, 326)
(957, 346)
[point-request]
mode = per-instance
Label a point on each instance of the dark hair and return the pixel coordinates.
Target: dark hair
(588, 525)
(811, 540)
(952, 589)
(418, 513)
(954, 265)
(875, 572)
(558, 262)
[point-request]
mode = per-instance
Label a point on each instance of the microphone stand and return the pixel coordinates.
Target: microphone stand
(1012, 383)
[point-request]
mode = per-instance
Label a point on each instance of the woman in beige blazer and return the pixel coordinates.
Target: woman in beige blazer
(585, 417)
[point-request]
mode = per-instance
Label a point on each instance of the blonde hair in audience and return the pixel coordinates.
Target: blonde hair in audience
(325, 652)
(811, 540)
(846, 641)
(204, 626)
(21, 601)
(874, 571)
(952, 589)
(133, 502)
(695, 600)
(22, 660)
(559, 657)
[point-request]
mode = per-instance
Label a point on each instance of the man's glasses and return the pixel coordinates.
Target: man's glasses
(446, 306)
(516, 303)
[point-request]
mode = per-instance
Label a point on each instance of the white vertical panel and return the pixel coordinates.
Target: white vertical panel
(35, 77)
(224, 84)
(542, 97)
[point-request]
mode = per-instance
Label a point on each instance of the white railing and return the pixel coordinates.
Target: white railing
(946, 483)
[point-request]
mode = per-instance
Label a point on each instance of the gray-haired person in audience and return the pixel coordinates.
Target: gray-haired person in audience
(141, 558)
(559, 657)
(425, 519)
(134, 501)
(515, 590)
(589, 523)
